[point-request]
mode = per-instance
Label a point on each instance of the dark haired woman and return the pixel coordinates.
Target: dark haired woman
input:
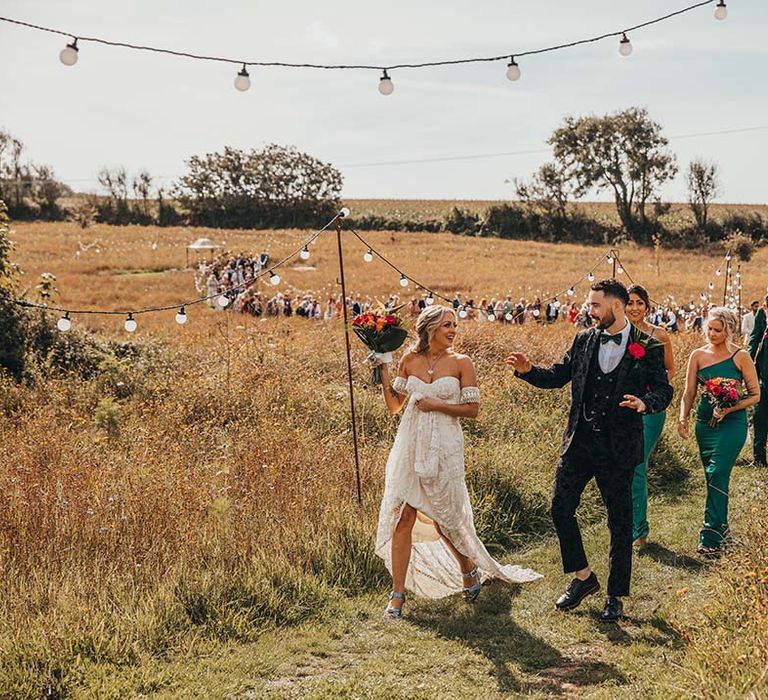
(426, 533)
(638, 310)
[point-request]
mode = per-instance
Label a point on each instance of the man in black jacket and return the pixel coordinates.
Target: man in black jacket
(758, 350)
(617, 374)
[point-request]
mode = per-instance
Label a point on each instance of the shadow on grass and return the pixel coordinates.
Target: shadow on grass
(663, 555)
(488, 627)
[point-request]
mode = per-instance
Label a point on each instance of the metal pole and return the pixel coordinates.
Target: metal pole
(349, 362)
(613, 257)
(738, 289)
(727, 275)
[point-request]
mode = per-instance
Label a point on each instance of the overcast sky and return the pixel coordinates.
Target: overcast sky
(119, 107)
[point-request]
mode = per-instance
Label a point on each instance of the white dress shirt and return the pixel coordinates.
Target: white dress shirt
(610, 353)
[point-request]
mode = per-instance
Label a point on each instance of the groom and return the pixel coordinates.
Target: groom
(617, 374)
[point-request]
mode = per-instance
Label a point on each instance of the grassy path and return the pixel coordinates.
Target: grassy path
(510, 643)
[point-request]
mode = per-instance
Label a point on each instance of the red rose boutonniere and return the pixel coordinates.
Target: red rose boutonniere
(636, 350)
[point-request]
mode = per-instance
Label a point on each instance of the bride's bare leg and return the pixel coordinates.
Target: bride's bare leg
(465, 563)
(401, 551)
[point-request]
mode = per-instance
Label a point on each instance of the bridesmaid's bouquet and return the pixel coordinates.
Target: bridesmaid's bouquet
(722, 392)
(382, 334)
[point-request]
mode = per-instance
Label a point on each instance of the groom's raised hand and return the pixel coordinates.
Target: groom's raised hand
(519, 361)
(634, 403)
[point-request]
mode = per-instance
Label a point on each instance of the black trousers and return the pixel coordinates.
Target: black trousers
(587, 458)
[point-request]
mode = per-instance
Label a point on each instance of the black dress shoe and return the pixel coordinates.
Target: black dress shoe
(613, 610)
(576, 592)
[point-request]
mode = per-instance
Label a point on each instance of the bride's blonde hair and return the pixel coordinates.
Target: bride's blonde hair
(426, 325)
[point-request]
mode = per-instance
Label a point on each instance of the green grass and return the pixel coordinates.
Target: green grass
(511, 643)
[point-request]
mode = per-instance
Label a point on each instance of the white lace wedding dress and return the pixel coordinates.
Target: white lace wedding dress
(425, 469)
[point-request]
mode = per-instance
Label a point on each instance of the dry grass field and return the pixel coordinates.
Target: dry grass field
(184, 524)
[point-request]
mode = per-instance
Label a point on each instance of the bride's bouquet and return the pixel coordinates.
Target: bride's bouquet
(723, 392)
(382, 335)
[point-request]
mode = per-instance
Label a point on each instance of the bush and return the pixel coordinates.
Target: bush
(743, 246)
(462, 221)
(749, 223)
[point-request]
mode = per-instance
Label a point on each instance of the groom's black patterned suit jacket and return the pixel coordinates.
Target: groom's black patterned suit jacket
(645, 378)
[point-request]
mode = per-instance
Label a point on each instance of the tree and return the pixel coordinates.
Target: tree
(278, 186)
(703, 183)
(624, 153)
(548, 191)
(12, 345)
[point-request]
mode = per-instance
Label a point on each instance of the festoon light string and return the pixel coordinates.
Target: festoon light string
(65, 322)
(70, 53)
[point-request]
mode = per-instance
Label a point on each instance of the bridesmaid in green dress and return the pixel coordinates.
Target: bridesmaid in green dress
(719, 446)
(637, 311)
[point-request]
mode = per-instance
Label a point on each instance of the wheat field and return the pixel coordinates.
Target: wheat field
(198, 492)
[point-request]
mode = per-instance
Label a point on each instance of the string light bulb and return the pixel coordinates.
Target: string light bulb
(625, 46)
(344, 213)
(64, 324)
(304, 254)
(403, 281)
(619, 270)
(591, 276)
(274, 278)
(609, 258)
(368, 257)
(243, 80)
(462, 312)
(223, 300)
(68, 55)
(508, 316)
(386, 86)
(571, 291)
(718, 273)
(429, 300)
(491, 317)
(513, 70)
(130, 323)
(711, 285)
(181, 316)
(721, 11)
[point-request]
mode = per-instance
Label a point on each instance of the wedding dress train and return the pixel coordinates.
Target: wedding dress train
(425, 470)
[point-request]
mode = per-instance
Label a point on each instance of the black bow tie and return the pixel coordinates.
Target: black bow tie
(607, 338)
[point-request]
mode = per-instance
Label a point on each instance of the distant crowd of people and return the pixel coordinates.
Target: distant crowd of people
(229, 276)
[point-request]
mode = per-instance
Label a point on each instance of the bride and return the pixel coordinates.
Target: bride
(426, 534)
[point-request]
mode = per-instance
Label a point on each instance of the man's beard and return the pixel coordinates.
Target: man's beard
(607, 322)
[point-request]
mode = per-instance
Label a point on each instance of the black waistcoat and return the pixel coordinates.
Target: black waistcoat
(598, 395)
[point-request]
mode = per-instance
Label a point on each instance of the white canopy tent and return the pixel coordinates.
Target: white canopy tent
(201, 244)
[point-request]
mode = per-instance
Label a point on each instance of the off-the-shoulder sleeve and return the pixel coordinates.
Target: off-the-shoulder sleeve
(470, 394)
(399, 385)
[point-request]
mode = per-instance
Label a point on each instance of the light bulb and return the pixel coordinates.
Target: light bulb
(721, 11)
(386, 87)
(619, 270)
(304, 254)
(243, 80)
(429, 300)
(711, 285)
(403, 281)
(727, 256)
(223, 300)
(68, 55)
(571, 292)
(368, 257)
(274, 278)
(64, 324)
(591, 277)
(130, 324)
(609, 258)
(344, 213)
(462, 312)
(625, 46)
(536, 313)
(508, 316)
(718, 273)
(513, 70)
(181, 316)
(491, 317)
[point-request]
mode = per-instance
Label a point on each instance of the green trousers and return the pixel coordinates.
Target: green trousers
(760, 425)
(719, 447)
(652, 427)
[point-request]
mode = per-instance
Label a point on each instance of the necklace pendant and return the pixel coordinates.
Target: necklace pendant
(430, 372)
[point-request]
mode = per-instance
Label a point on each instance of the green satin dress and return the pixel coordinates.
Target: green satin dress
(719, 447)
